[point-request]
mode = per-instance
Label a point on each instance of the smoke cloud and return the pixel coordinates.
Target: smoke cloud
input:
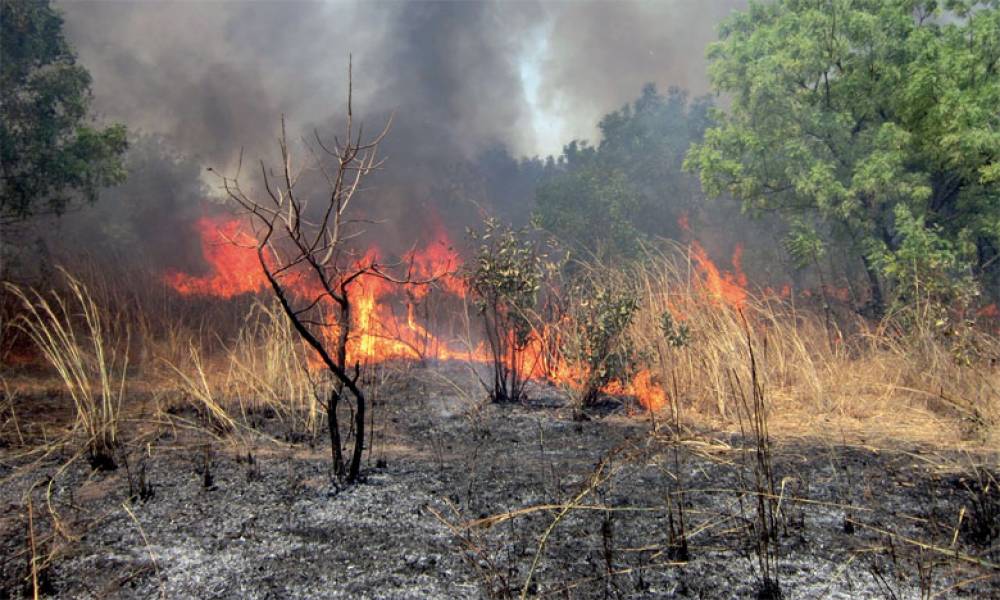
(472, 85)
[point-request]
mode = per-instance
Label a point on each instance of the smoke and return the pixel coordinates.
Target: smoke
(472, 84)
(599, 54)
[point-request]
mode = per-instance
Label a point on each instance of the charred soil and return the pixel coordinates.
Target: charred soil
(462, 499)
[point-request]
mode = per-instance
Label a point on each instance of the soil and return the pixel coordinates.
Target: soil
(465, 499)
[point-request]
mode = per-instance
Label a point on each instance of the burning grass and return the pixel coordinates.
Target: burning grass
(228, 386)
(682, 342)
(846, 375)
(860, 377)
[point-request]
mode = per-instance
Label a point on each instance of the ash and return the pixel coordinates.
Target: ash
(463, 499)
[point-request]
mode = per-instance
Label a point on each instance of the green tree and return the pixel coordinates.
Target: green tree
(49, 155)
(591, 206)
(842, 110)
(604, 198)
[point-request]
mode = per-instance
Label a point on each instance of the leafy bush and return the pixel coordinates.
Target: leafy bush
(676, 334)
(929, 275)
(603, 314)
(506, 277)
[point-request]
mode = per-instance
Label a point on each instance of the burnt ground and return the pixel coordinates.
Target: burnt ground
(460, 498)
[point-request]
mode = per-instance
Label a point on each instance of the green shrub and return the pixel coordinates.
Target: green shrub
(506, 277)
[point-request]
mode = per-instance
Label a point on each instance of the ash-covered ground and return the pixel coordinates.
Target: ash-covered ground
(463, 499)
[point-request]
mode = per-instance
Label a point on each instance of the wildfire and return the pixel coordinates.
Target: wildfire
(727, 287)
(233, 269)
(385, 324)
(650, 395)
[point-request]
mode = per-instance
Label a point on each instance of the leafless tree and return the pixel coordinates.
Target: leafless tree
(303, 244)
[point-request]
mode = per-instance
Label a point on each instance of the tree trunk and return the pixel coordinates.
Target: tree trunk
(359, 436)
(334, 426)
(875, 286)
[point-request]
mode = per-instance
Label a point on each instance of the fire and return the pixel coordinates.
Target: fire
(650, 395)
(726, 287)
(384, 315)
(233, 269)
(437, 260)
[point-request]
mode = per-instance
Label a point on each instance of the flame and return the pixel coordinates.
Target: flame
(729, 288)
(642, 387)
(385, 322)
(233, 268)
(723, 287)
(437, 260)
(684, 221)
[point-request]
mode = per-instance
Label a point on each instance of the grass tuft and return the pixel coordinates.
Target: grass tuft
(89, 353)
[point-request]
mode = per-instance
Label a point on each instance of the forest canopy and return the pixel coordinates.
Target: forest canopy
(867, 124)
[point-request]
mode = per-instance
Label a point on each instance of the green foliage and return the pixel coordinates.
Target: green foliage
(842, 110)
(930, 273)
(603, 199)
(49, 155)
(590, 207)
(604, 314)
(676, 333)
(804, 244)
(506, 277)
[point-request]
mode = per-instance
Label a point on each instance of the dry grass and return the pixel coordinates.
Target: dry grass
(268, 364)
(88, 349)
(859, 381)
(196, 383)
(237, 360)
(264, 371)
(847, 379)
(864, 379)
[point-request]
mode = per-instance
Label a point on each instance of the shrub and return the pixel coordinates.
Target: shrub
(505, 279)
(604, 313)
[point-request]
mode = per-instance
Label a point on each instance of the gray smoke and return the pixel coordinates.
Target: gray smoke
(465, 80)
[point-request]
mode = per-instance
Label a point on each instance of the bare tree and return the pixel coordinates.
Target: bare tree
(303, 246)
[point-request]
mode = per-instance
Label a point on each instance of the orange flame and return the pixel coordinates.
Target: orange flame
(650, 395)
(234, 270)
(723, 287)
(729, 288)
(384, 319)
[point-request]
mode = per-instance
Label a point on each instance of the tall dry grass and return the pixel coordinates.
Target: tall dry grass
(819, 376)
(89, 350)
(230, 360)
(263, 372)
(237, 361)
(268, 365)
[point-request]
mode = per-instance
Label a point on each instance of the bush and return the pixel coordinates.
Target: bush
(932, 289)
(604, 313)
(506, 277)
